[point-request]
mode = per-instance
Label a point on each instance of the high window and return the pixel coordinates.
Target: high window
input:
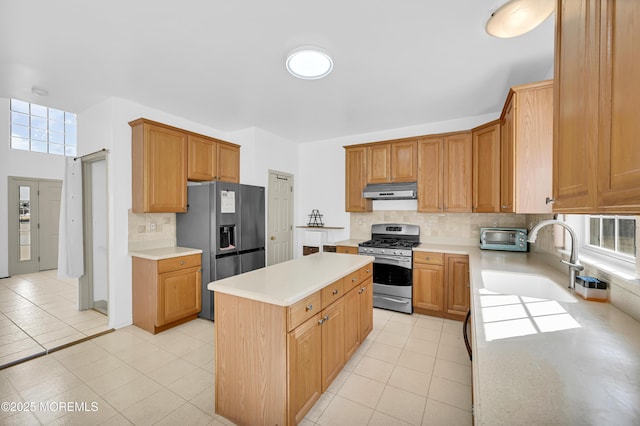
(40, 129)
(613, 235)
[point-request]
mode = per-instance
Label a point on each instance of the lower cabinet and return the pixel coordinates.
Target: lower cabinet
(441, 284)
(166, 292)
(332, 342)
(304, 365)
(347, 249)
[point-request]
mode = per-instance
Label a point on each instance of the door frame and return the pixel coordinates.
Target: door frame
(85, 282)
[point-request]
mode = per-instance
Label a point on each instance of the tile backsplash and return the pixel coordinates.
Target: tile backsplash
(151, 230)
(447, 228)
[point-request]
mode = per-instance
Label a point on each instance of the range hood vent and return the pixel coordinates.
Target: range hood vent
(391, 191)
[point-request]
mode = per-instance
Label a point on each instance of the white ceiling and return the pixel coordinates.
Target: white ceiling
(221, 63)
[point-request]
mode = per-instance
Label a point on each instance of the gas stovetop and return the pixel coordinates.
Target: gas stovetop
(391, 239)
(390, 243)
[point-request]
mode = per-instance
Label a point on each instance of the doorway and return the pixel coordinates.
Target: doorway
(34, 214)
(93, 289)
(280, 217)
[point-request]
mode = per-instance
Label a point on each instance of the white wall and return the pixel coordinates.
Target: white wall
(23, 164)
(322, 171)
(99, 226)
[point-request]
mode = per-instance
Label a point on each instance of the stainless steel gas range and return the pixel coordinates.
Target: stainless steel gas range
(391, 245)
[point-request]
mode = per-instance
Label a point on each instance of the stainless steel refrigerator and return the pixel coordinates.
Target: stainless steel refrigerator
(226, 221)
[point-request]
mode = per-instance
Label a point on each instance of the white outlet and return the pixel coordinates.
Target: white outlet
(152, 227)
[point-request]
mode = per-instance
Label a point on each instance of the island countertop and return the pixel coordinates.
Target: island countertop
(288, 282)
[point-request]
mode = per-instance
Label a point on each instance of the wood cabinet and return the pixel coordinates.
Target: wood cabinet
(445, 173)
(486, 168)
(228, 156)
(428, 281)
(358, 321)
(527, 145)
(211, 159)
(159, 168)
(332, 342)
(303, 347)
(347, 249)
(356, 179)
(379, 163)
(457, 285)
(163, 158)
(395, 161)
(596, 100)
(166, 292)
(441, 284)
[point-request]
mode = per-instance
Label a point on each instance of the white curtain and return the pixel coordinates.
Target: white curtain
(70, 243)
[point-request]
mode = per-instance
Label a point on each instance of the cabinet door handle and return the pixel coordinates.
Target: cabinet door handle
(334, 292)
(353, 280)
(549, 200)
(326, 318)
(361, 291)
(182, 262)
(320, 321)
(309, 307)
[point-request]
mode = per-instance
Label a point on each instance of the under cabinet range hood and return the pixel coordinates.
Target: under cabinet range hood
(391, 191)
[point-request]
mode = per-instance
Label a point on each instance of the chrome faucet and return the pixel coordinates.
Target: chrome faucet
(574, 263)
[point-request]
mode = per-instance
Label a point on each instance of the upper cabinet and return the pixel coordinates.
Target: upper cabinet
(356, 179)
(392, 162)
(486, 168)
(211, 159)
(596, 100)
(228, 156)
(158, 168)
(444, 173)
(527, 149)
(165, 157)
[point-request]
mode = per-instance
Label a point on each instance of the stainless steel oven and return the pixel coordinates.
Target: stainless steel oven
(391, 246)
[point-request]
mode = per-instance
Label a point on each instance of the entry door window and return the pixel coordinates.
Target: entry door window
(24, 223)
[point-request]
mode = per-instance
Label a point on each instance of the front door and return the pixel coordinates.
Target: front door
(280, 218)
(34, 213)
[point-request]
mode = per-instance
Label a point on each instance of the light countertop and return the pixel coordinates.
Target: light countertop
(289, 282)
(350, 243)
(537, 361)
(164, 252)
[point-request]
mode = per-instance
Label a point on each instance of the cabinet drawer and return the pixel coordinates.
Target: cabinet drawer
(332, 292)
(428, 257)
(175, 263)
(366, 272)
(302, 310)
(351, 280)
(347, 249)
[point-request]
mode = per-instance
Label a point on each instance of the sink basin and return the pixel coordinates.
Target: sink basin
(525, 285)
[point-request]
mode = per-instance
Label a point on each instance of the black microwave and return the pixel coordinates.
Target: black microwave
(508, 239)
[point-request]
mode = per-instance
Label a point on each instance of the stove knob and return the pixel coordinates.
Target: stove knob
(382, 251)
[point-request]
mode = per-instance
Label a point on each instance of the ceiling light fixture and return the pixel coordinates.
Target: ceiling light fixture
(309, 63)
(517, 17)
(39, 91)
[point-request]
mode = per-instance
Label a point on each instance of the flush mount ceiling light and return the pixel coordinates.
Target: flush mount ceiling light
(309, 63)
(517, 17)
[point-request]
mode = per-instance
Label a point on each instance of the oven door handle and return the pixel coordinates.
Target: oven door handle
(391, 260)
(391, 299)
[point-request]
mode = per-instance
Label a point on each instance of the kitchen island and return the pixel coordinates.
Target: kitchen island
(284, 332)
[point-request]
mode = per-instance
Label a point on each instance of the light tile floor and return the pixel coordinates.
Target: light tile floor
(411, 370)
(39, 312)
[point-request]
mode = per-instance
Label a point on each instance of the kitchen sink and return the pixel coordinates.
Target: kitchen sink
(526, 285)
